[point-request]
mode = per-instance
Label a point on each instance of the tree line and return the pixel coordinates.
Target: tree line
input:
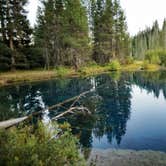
(150, 44)
(67, 32)
(71, 33)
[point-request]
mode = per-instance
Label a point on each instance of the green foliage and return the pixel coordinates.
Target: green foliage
(152, 56)
(5, 57)
(129, 60)
(91, 63)
(15, 30)
(111, 39)
(39, 146)
(34, 57)
(156, 56)
(61, 71)
(114, 65)
(151, 42)
(162, 56)
(145, 65)
(66, 43)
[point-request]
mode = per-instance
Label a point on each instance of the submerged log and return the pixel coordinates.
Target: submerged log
(71, 111)
(12, 122)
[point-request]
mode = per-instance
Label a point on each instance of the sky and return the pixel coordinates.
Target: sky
(139, 13)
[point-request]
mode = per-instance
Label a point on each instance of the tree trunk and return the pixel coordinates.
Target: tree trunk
(13, 63)
(2, 22)
(10, 35)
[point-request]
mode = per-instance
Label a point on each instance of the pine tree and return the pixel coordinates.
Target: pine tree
(76, 32)
(164, 35)
(121, 37)
(110, 31)
(62, 31)
(15, 30)
(2, 20)
(151, 39)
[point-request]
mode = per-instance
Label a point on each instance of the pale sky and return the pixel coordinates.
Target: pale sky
(140, 13)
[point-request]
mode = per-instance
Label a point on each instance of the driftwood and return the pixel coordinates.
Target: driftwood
(75, 99)
(13, 122)
(71, 111)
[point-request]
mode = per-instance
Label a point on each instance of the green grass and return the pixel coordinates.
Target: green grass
(62, 71)
(114, 66)
(7, 78)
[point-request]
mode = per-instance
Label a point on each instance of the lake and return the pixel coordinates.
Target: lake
(128, 109)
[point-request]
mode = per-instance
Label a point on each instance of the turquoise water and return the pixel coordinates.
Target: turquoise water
(128, 110)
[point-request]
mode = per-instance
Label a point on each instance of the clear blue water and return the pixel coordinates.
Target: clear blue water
(128, 110)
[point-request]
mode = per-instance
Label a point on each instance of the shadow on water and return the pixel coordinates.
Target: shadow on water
(110, 103)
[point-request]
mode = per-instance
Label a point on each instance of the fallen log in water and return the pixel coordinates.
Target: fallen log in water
(12, 122)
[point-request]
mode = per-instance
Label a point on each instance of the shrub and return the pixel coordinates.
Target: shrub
(39, 145)
(145, 65)
(162, 56)
(129, 60)
(61, 71)
(152, 56)
(156, 57)
(92, 64)
(114, 65)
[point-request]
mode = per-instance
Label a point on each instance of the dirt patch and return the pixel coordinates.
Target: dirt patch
(126, 158)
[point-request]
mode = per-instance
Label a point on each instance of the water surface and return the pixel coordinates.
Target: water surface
(128, 110)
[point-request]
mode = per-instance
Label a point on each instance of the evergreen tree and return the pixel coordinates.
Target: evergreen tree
(164, 35)
(110, 31)
(15, 30)
(151, 39)
(62, 31)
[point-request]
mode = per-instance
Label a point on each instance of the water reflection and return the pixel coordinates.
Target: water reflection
(109, 102)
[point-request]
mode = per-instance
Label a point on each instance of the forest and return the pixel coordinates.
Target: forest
(78, 84)
(73, 33)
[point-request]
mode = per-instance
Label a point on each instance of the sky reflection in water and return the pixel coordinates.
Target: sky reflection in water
(128, 109)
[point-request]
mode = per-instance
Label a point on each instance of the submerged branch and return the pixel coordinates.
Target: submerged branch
(71, 111)
(9, 123)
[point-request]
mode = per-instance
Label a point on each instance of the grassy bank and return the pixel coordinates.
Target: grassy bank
(7, 78)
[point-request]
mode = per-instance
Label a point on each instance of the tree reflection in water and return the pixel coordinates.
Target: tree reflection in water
(110, 101)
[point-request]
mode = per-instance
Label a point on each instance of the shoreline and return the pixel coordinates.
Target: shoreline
(99, 157)
(16, 77)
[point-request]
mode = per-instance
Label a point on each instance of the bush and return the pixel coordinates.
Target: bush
(38, 146)
(129, 60)
(162, 56)
(114, 65)
(145, 65)
(92, 64)
(152, 56)
(156, 57)
(61, 71)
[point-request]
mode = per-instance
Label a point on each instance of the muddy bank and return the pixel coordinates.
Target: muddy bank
(126, 158)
